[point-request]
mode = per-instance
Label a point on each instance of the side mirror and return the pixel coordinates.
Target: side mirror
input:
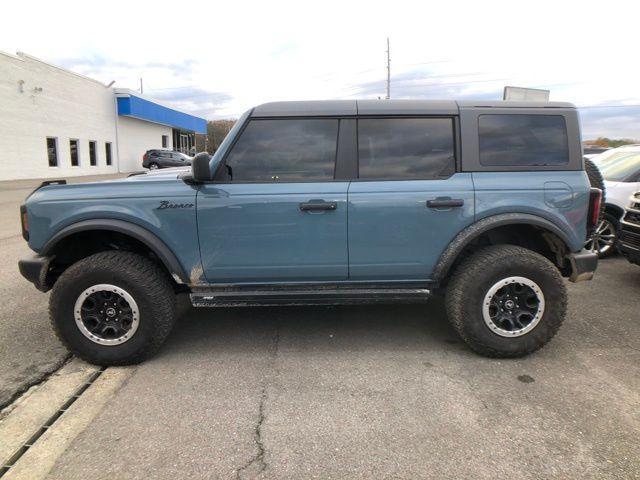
(200, 167)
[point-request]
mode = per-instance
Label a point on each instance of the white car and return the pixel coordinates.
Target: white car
(620, 168)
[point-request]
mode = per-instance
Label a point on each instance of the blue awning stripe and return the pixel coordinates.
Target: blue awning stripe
(152, 112)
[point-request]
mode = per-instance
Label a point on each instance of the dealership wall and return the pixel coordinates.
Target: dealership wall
(135, 138)
(40, 100)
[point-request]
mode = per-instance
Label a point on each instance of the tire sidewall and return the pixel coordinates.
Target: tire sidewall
(63, 299)
(477, 329)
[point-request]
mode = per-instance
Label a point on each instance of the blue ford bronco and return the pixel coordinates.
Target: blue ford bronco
(330, 202)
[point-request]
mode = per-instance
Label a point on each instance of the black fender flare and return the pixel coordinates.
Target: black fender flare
(157, 246)
(464, 237)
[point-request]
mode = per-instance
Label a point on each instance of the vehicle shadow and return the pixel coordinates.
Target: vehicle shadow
(401, 327)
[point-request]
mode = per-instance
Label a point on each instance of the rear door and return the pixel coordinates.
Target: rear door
(409, 201)
(277, 214)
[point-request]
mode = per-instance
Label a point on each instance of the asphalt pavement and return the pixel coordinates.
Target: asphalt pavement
(354, 392)
(29, 351)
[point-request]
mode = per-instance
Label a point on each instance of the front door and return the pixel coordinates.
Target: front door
(409, 202)
(277, 214)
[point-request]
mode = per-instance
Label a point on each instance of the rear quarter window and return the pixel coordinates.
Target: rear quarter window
(523, 140)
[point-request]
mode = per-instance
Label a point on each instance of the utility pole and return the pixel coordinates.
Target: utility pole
(388, 70)
(141, 89)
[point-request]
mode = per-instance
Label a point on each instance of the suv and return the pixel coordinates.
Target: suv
(324, 203)
(154, 159)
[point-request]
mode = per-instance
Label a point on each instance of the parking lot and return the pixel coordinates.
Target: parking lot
(335, 392)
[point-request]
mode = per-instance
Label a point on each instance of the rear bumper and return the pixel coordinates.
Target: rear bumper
(583, 265)
(35, 268)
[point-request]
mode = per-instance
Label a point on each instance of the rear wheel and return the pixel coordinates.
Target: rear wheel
(113, 308)
(153, 166)
(605, 238)
(506, 301)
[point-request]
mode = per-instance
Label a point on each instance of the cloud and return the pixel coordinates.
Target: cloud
(614, 121)
(196, 100)
(290, 50)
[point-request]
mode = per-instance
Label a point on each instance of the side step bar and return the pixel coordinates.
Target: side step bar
(242, 297)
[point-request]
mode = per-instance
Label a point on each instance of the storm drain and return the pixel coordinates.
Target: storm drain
(49, 423)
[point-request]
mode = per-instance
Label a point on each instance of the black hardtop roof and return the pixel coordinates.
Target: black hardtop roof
(387, 107)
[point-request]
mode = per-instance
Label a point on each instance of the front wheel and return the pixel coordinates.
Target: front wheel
(113, 308)
(506, 301)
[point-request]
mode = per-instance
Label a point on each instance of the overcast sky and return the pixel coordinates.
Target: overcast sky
(216, 59)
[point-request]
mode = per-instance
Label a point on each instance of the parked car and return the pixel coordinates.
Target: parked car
(591, 151)
(154, 159)
(330, 202)
(620, 168)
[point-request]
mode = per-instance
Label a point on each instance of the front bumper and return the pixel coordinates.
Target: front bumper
(35, 269)
(583, 265)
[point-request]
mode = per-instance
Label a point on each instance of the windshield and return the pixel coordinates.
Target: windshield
(620, 167)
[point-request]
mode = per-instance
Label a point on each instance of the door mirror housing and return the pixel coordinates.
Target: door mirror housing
(201, 170)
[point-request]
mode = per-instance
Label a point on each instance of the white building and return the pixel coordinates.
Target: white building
(56, 123)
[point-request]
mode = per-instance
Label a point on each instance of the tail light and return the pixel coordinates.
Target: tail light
(24, 221)
(595, 203)
(144, 157)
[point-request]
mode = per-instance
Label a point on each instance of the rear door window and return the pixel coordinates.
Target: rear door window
(405, 148)
(523, 140)
(284, 150)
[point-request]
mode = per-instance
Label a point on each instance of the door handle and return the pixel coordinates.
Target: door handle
(445, 203)
(317, 206)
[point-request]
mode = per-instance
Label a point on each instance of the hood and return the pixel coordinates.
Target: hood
(149, 175)
(137, 185)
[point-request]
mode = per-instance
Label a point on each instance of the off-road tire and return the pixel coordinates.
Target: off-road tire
(473, 278)
(597, 181)
(142, 279)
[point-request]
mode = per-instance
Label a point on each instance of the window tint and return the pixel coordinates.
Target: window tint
(92, 154)
(521, 140)
(52, 151)
(73, 149)
(107, 151)
(284, 150)
(405, 148)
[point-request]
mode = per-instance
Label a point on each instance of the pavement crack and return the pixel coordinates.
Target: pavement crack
(36, 381)
(257, 464)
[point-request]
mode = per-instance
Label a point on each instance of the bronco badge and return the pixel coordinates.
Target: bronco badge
(167, 204)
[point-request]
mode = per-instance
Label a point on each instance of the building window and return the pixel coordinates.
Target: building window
(52, 151)
(75, 156)
(165, 141)
(92, 154)
(107, 151)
